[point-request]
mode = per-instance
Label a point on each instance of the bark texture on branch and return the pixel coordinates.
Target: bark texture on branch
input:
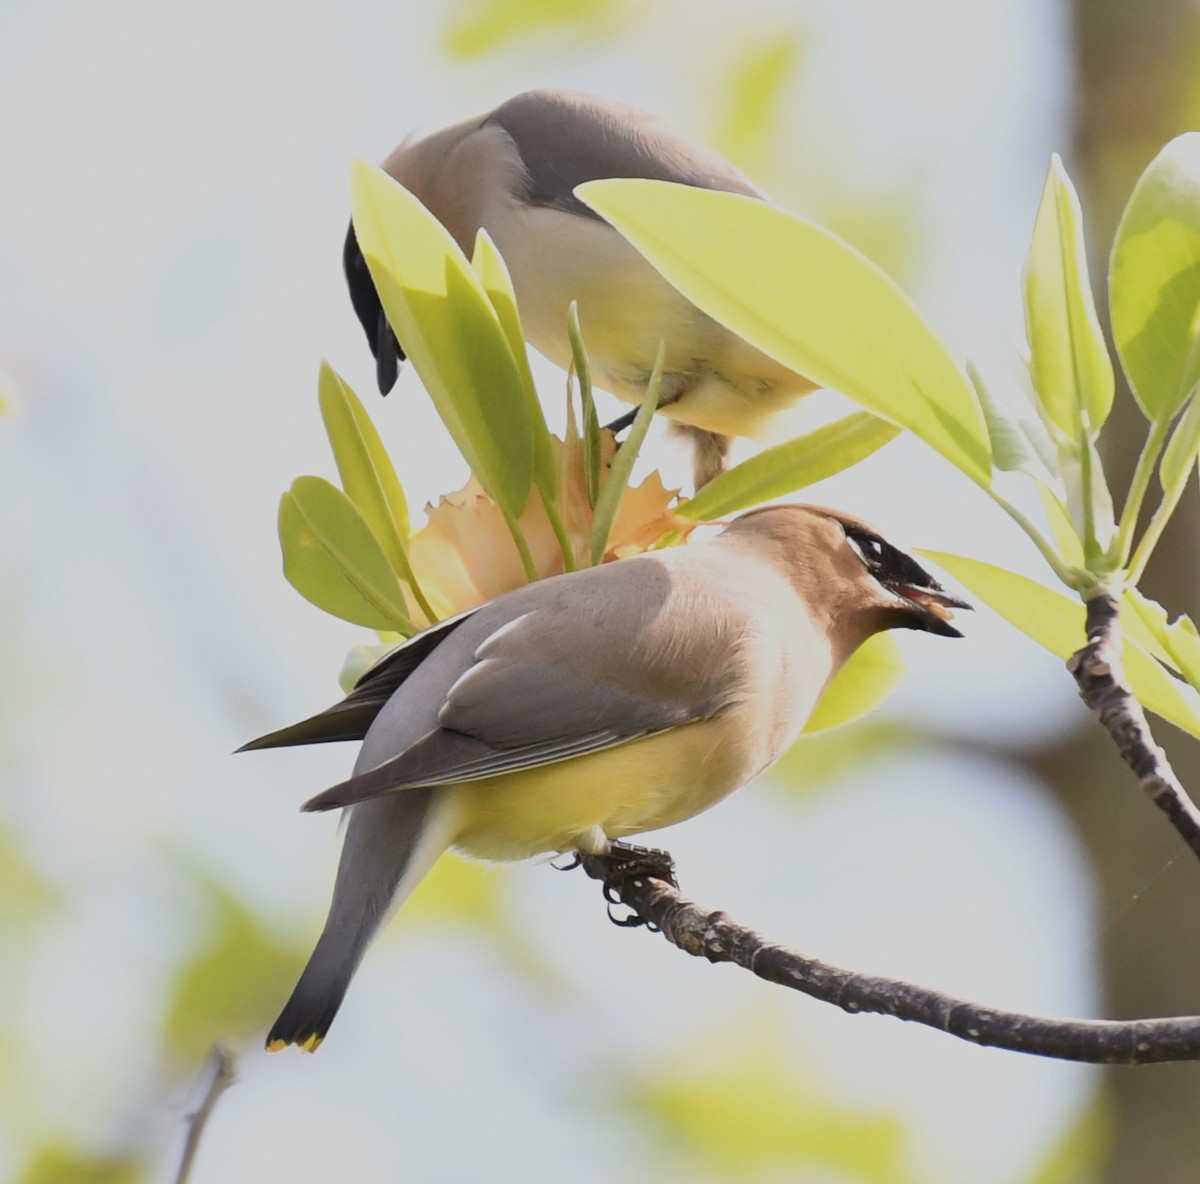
(715, 936)
(1097, 671)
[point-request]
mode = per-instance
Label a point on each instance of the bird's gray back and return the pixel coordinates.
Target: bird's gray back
(565, 138)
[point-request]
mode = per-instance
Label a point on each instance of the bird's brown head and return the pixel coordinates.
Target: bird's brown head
(847, 571)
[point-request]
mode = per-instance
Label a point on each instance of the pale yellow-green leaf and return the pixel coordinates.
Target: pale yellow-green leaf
(1088, 498)
(1062, 529)
(787, 467)
(1177, 643)
(1012, 452)
(493, 273)
(873, 672)
(358, 660)
(365, 469)
(806, 298)
(1072, 372)
(1180, 454)
(1056, 622)
(331, 557)
(1154, 280)
(450, 329)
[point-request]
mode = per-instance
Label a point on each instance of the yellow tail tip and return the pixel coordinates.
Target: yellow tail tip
(309, 1044)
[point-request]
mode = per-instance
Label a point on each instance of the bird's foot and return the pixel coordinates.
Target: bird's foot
(626, 863)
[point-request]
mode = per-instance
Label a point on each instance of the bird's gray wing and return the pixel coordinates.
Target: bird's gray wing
(350, 719)
(517, 708)
(565, 139)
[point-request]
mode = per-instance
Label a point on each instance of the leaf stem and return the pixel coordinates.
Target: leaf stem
(1158, 523)
(1138, 487)
(570, 562)
(522, 547)
(591, 421)
(617, 480)
(1074, 578)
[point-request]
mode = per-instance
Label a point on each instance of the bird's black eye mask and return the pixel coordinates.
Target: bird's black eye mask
(925, 601)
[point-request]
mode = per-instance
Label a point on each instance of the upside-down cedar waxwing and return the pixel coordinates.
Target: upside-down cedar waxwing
(591, 706)
(514, 172)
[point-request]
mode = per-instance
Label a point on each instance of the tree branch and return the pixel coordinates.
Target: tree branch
(224, 1072)
(1097, 671)
(714, 936)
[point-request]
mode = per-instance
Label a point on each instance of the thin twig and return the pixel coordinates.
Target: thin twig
(714, 936)
(1097, 670)
(224, 1072)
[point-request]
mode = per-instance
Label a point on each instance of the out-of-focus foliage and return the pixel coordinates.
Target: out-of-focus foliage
(735, 1109)
(230, 986)
(27, 898)
(478, 27)
(1078, 1157)
(63, 1163)
(748, 129)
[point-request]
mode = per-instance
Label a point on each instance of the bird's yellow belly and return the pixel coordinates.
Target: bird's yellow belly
(620, 791)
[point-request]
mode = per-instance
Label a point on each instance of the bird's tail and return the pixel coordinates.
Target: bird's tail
(391, 843)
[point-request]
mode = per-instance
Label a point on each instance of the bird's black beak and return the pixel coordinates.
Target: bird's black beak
(928, 604)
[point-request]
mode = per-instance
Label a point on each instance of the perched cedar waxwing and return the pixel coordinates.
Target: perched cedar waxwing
(591, 706)
(514, 172)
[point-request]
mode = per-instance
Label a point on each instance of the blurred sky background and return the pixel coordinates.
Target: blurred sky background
(173, 196)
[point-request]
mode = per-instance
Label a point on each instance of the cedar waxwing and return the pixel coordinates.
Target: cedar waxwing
(590, 706)
(514, 172)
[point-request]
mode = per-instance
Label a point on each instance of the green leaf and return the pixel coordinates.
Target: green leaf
(1088, 496)
(1154, 280)
(1066, 539)
(364, 467)
(807, 299)
(493, 273)
(331, 557)
(621, 469)
(789, 466)
(1012, 450)
(1071, 369)
(1175, 643)
(1057, 623)
(867, 679)
(1181, 451)
(451, 331)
